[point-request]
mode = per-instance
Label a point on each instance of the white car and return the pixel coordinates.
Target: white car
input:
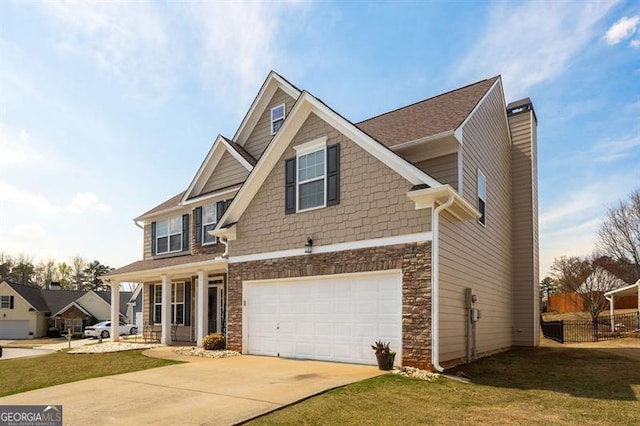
(103, 329)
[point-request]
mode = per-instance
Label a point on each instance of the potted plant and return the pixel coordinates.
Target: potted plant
(384, 355)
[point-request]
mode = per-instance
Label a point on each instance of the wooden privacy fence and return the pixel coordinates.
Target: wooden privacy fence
(604, 328)
(572, 302)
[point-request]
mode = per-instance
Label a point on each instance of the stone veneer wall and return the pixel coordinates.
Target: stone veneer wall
(413, 259)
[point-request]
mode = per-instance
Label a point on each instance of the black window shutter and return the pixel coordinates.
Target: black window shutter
(185, 232)
(153, 238)
(152, 309)
(290, 186)
(10, 302)
(219, 210)
(333, 175)
(227, 203)
(197, 213)
(187, 303)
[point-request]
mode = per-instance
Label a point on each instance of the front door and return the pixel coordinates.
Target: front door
(215, 315)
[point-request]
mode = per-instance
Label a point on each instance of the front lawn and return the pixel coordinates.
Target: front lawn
(546, 386)
(23, 374)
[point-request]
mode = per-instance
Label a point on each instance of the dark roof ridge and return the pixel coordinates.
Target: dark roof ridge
(427, 99)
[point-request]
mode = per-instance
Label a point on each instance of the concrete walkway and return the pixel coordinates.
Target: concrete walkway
(206, 391)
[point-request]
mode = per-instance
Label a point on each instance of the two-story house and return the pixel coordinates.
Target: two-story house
(308, 236)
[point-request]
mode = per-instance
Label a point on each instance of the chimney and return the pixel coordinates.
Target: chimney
(524, 209)
(54, 285)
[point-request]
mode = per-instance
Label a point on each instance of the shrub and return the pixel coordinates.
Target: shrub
(77, 335)
(214, 342)
(53, 332)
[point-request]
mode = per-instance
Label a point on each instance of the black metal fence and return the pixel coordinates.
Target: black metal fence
(579, 331)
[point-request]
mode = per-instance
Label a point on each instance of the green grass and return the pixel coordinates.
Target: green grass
(23, 374)
(546, 386)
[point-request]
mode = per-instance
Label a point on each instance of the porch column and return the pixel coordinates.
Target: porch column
(202, 309)
(612, 311)
(115, 311)
(165, 337)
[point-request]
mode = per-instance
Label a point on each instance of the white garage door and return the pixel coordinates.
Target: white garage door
(331, 318)
(14, 329)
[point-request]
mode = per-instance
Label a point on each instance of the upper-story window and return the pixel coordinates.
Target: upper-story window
(482, 197)
(312, 176)
(209, 220)
(311, 179)
(277, 118)
(169, 235)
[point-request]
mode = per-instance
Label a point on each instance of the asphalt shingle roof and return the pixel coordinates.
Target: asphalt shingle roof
(150, 264)
(428, 117)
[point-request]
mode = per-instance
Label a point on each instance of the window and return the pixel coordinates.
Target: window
(482, 197)
(157, 303)
(6, 302)
(209, 220)
(177, 303)
(312, 178)
(277, 118)
(169, 235)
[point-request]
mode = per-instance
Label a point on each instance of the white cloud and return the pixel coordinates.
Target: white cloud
(635, 43)
(624, 28)
(80, 203)
(87, 201)
(528, 45)
(15, 149)
(616, 149)
(227, 44)
(28, 230)
(13, 195)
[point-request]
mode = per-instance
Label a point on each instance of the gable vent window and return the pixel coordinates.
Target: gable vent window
(482, 197)
(277, 118)
(312, 177)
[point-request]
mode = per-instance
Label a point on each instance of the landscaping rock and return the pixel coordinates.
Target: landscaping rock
(192, 351)
(416, 373)
(112, 347)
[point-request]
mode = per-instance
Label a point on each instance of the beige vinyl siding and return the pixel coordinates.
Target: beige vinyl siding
(227, 172)
(146, 242)
(373, 203)
(525, 230)
(20, 311)
(95, 304)
(261, 134)
(444, 169)
(472, 255)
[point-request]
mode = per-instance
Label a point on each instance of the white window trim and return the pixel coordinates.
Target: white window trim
(174, 305)
(484, 199)
(284, 114)
(169, 234)
(307, 148)
(155, 297)
(204, 224)
(2, 302)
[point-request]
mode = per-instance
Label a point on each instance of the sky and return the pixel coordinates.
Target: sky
(108, 108)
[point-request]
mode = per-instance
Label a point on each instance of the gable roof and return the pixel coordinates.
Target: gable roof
(432, 116)
(305, 105)
(32, 295)
(273, 82)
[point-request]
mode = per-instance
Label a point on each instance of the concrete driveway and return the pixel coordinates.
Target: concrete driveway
(207, 391)
(11, 353)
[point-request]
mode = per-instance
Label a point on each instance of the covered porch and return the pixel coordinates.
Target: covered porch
(630, 292)
(183, 297)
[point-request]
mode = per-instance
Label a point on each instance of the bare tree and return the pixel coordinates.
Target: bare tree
(6, 263)
(64, 275)
(589, 277)
(78, 276)
(23, 270)
(619, 234)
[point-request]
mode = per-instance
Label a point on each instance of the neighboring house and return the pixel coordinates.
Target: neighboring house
(134, 308)
(28, 312)
(308, 236)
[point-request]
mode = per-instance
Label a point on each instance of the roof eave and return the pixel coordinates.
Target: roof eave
(461, 209)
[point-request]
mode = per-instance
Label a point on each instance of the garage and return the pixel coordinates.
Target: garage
(14, 329)
(328, 318)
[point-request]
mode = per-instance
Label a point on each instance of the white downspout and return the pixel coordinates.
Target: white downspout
(435, 285)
